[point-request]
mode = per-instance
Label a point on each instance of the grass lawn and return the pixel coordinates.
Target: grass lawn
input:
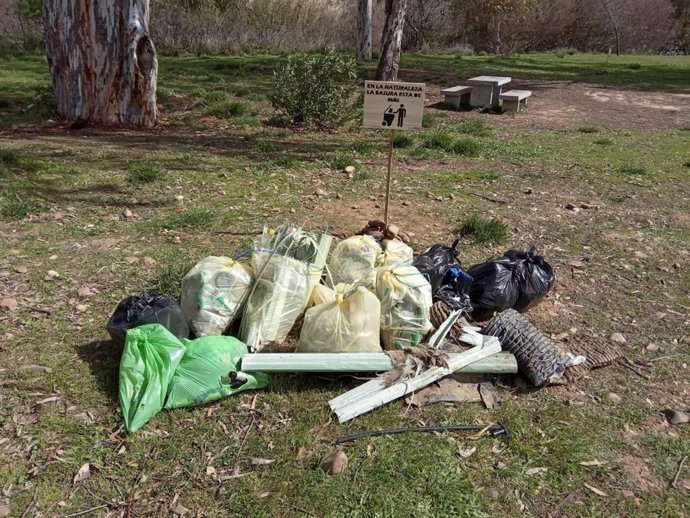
(122, 210)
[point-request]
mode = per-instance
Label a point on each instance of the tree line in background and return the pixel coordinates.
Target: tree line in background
(462, 26)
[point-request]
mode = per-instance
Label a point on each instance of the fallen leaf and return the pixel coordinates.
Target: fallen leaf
(595, 490)
(265, 494)
(127, 213)
(52, 274)
(84, 291)
(594, 462)
(334, 463)
(210, 470)
(370, 450)
(301, 453)
(536, 471)
(21, 268)
(148, 261)
(83, 473)
(180, 510)
(256, 461)
(131, 259)
(81, 308)
(466, 452)
(270, 446)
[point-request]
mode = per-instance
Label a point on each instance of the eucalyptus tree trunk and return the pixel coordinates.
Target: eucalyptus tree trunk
(364, 9)
(391, 40)
(102, 60)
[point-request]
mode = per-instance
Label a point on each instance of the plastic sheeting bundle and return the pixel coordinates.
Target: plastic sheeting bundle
(405, 297)
(354, 260)
(213, 293)
(349, 324)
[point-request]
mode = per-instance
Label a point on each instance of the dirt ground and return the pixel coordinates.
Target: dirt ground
(569, 104)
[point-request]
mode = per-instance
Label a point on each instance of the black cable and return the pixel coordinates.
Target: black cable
(496, 430)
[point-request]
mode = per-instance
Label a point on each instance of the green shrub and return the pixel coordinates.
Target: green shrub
(192, 218)
(316, 89)
(362, 147)
(632, 170)
(144, 173)
(604, 141)
(12, 207)
(489, 175)
(466, 146)
(474, 127)
(484, 230)
(401, 140)
(588, 129)
(266, 146)
(285, 161)
(226, 108)
(429, 120)
(438, 140)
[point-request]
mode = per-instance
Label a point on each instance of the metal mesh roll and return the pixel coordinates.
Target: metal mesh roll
(537, 358)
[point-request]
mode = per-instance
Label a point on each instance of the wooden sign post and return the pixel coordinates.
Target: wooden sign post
(392, 106)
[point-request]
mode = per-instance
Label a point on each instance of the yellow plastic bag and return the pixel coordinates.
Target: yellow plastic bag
(349, 324)
(395, 253)
(354, 259)
(405, 297)
(213, 293)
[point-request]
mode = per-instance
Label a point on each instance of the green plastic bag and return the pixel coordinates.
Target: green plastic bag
(150, 357)
(204, 374)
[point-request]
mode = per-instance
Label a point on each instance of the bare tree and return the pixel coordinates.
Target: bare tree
(102, 61)
(364, 9)
(391, 40)
(615, 26)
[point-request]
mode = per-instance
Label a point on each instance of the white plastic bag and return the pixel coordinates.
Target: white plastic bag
(280, 294)
(213, 293)
(354, 259)
(405, 297)
(349, 324)
(395, 253)
(320, 295)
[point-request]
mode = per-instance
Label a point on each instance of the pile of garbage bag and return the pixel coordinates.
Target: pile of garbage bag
(368, 294)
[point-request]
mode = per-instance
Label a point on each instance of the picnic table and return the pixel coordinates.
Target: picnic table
(486, 89)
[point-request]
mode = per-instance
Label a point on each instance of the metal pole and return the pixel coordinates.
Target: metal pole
(388, 181)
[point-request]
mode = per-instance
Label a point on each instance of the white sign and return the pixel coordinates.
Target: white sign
(389, 105)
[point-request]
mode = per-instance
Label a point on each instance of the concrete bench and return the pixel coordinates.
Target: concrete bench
(457, 96)
(513, 98)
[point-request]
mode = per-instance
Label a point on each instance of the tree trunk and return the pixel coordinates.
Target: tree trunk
(615, 27)
(391, 40)
(102, 60)
(364, 29)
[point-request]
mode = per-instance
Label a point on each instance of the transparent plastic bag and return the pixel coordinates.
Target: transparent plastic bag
(354, 259)
(320, 295)
(213, 293)
(209, 371)
(405, 297)
(288, 263)
(395, 253)
(349, 324)
(280, 295)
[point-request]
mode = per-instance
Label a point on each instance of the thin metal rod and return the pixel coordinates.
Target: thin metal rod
(388, 180)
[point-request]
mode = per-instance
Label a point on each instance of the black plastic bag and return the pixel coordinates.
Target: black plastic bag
(147, 308)
(442, 267)
(517, 280)
(435, 261)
